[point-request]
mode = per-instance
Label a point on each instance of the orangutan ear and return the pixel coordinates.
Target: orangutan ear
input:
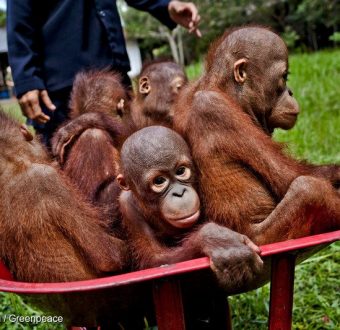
(144, 85)
(122, 182)
(26, 133)
(240, 67)
(120, 107)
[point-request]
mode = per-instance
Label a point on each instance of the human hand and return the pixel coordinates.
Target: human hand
(30, 107)
(185, 14)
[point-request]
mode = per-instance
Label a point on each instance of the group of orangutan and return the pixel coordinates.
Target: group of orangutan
(180, 170)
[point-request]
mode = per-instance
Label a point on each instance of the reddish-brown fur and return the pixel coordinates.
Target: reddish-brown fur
(47, 231)
(99, 125)
(158, 87)
(99, 91)
(161, 219)
(246, 181)
(88, 145)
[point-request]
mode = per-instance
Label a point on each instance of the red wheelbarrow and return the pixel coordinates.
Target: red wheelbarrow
(169, 294)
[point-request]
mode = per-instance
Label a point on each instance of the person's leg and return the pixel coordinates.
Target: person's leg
(126, 81)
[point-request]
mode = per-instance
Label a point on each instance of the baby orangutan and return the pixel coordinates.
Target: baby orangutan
(87, 147)
(48, 232)
(246, 182)
(159, 85)
(161, 210)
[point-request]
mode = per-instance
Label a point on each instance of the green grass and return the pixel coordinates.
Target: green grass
(12, 108)
(12, 304)
(315, 80)
(316, 296)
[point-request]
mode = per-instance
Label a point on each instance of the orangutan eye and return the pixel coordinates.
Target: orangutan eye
(159, 180)
(285, 76)
(159, 183)
(177, 84)
(183, 172)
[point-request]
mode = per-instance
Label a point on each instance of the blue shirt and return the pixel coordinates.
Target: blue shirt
(50, 41)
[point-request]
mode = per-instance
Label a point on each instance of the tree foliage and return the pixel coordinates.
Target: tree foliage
(304, 24)
(2, 19)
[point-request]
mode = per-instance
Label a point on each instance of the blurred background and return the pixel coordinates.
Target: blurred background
(305, 25)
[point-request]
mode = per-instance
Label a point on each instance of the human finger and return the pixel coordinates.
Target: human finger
(196, 31)
(38, 115)
(194, 12)
(47, 101)
(193, 24)
(25, 103)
